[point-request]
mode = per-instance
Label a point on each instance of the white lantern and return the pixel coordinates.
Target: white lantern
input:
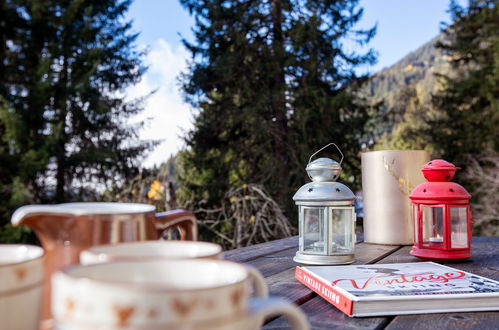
(326, 215)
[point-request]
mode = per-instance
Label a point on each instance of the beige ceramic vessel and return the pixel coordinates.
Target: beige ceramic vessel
(21, 278)
(388, 177)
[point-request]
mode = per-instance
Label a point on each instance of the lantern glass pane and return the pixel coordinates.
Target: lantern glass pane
(313, 230)
(459, 232)
(342, 229)
(433, 217)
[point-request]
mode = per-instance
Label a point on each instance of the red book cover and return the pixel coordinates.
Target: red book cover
(395, 289)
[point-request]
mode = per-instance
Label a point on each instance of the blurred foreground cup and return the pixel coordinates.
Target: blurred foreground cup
(21, 280)
(388, 177)
(166, 294)
(150, 250)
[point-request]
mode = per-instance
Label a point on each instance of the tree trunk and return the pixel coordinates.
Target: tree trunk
(279, 120)
(60, 193)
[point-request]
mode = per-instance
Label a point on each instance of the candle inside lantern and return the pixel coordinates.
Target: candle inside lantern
(436, 239)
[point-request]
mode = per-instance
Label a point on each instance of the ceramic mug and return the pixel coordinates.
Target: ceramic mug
(165, 294)
(21, 279)
(150, 250)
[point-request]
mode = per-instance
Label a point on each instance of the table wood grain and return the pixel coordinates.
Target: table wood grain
(275, 261)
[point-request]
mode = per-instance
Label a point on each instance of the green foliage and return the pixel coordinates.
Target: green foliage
(20, 194)
(269, 80)
(63, 131)
(469, 102)
(13, 193)
(17, 235)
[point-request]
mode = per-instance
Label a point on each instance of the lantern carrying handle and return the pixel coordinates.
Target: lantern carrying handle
(315, 153)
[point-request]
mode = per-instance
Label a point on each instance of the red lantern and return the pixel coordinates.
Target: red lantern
(441, 214)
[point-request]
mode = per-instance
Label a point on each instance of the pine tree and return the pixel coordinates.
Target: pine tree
(65, 65)
(469, 102)
(13, 191)
(272, 82)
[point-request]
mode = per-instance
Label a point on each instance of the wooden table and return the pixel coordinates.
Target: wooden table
(275, 261)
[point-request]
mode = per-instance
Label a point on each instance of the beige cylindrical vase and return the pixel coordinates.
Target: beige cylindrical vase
(388, 177)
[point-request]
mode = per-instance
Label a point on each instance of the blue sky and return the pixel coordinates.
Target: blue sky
(403, 26)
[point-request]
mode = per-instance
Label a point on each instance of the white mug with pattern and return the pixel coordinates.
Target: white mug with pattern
(166, 294)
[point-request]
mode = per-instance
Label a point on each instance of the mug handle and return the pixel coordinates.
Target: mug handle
(260, 287)
(183, 219)
(260, 309)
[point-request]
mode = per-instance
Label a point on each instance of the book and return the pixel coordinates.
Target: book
(395, 289)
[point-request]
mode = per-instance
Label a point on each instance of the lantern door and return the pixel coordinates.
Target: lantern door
(459, 216)
(432, 220)
(341, 230)
(313, 229)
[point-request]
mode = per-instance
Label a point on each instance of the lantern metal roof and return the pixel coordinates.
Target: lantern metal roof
(439, 190)
(323, 172)
(324, 191)
(438, 173)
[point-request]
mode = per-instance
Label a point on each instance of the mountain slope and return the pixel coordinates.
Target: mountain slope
(416, 70)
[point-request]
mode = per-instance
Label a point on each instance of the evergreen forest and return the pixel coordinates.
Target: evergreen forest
(269, 82)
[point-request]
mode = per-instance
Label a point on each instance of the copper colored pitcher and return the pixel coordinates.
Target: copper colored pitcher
(66, 229)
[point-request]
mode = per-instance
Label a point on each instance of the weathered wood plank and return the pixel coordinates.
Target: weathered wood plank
(484, 262)
(400, 256)
(275, 263)
(259, 250)
(321, 314)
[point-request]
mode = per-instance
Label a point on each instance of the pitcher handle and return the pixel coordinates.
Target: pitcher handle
(183, 219)
(260, 309)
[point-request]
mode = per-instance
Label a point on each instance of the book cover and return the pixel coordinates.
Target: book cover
(405, 288)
